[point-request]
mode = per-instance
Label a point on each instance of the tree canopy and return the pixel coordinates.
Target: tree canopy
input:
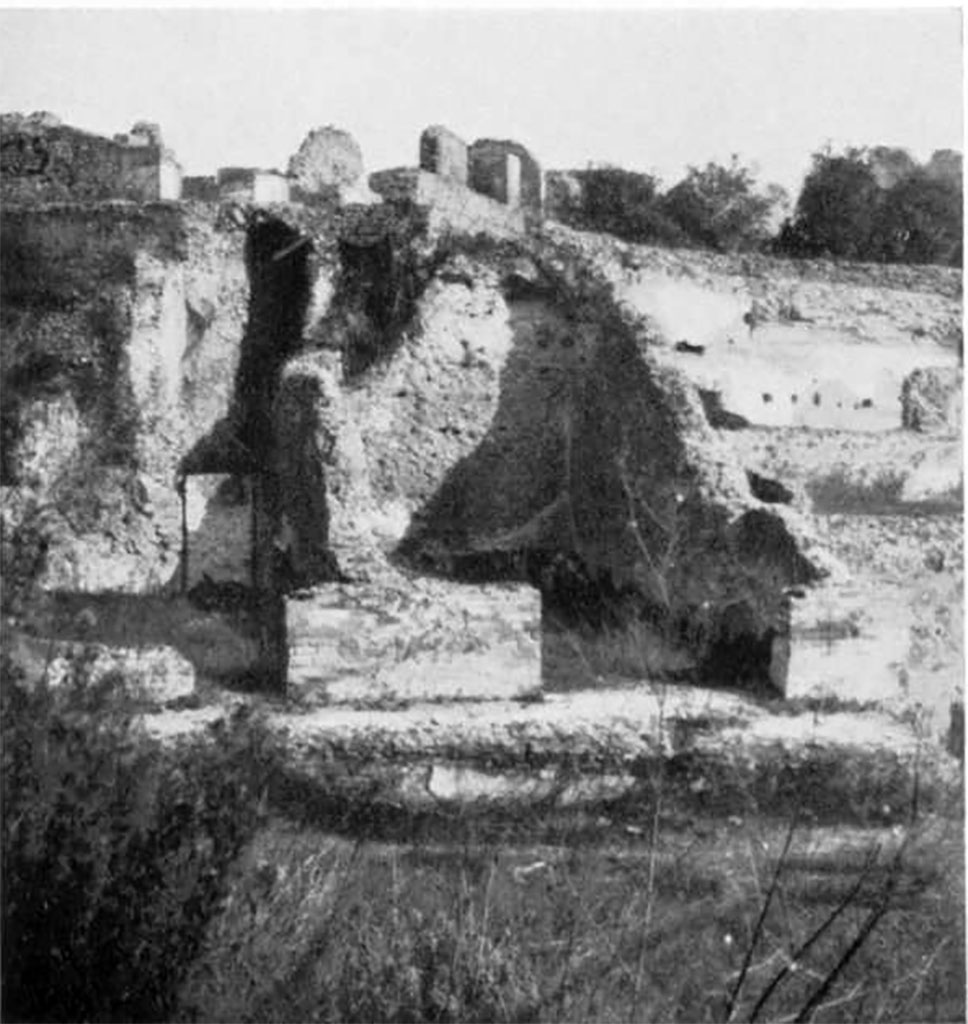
(878, 204)
(721, 207)
(873, 204)
(713, 207)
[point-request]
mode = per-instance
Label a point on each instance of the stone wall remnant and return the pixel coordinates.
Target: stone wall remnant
(250, 184)
(200, 188)
(931, 400)
(328, 156)
(448, 205)
(444, 153)
(42, 160)
(506, 171)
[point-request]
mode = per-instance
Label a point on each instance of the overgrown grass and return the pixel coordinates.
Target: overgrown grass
(579, 657)
(143, 883)
(634, 932)
(114, 849)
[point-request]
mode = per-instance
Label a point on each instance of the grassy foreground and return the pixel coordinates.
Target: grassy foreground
(143, 883)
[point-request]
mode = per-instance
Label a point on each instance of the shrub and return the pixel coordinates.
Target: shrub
(721, 208)
(114, 849)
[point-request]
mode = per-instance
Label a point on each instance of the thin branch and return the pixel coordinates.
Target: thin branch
(821, 993)
(761, 920)
(806, 946)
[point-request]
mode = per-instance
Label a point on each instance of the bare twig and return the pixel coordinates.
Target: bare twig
(761, 920)
(653, 858)
(821, 993)
(806, 946)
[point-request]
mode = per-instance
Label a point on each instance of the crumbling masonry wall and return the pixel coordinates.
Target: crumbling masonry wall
(42, 160)
(521, 421)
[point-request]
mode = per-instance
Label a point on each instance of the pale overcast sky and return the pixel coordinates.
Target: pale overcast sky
(647, 89)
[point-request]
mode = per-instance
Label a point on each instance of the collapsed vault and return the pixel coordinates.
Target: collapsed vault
(520, 429)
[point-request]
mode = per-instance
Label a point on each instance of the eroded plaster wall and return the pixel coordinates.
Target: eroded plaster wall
(123, 339)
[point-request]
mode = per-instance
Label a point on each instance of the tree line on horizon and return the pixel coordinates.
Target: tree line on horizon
(872, 204)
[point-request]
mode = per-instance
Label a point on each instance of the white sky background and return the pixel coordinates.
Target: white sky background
(648, 89)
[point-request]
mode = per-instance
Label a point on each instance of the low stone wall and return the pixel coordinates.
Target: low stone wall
(248, 184)
(417, 639)
(450, 205)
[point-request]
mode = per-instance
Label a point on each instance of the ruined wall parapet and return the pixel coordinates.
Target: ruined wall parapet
(506, 171)
(443, 153)
(449, 206)
(42, 160)
(252, 185)
(491, 186)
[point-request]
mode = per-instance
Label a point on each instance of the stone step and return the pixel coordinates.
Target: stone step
(411, 640)
(717, 753)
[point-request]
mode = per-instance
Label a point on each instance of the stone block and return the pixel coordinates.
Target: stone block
(416, 640)
(248, 184)
(449, 205)
(844, 643)
(444, 153)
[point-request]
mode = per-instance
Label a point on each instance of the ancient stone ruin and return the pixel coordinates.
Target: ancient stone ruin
(42, 160)
(443, 153)
(327, 157)
(506, 171)
(377, 453)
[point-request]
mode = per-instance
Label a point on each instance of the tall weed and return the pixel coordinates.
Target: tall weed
(114, 849)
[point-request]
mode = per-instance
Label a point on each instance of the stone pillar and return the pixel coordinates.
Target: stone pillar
(512, 181)
(443, 153)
